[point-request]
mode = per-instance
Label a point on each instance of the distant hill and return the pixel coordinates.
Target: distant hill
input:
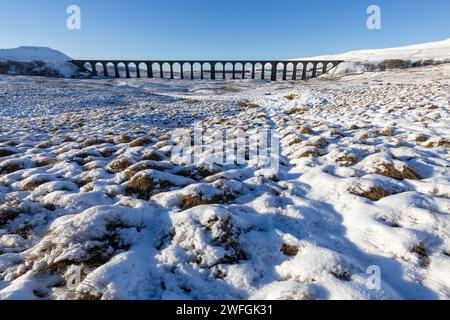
(377, 59)
(53, 59)
(439, 50)
(26, 53)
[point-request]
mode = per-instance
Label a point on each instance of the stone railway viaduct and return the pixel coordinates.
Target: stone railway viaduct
(297, 69)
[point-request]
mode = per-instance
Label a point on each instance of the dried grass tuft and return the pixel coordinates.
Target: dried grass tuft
(422, 252)
(374, 193)
(306, 130)
(120, 165)
(289, 250)
(5, 153)
(389, 170)
(140, 142)
(247, 105)
(291, 97)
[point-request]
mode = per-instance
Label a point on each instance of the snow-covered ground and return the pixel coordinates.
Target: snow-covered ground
(89, 184)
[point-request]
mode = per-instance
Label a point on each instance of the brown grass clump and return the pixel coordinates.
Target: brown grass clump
(298, 110)
(5, 153)
(96, 142)
(152, 155)
(291, 97)
(389, 170)
(392, 64)
(341, 274)
(189, 202)
(24, 232)
(120, 165)
(388, 132)
(43, 162)
(87, 296)
(422, 139)
(422, 252)
(228, 238)
(374, 193)
(140, 142)
(68, 139)
(347, 161)
(294, 141)
(134, 169)
(33, 184)
(306, 130)
(205, 172)
(191, 101)
(42, 145)
(443, 143)
(247, 105)
(144, 186)
(289, 250)
(10, 167)
(124, 139)
(309, 153)
(8, 214)
(320, 143)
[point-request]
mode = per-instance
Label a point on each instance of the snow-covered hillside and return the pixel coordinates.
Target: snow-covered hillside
(52, 58)
(27, 53)
(369, 60)
(439, 51)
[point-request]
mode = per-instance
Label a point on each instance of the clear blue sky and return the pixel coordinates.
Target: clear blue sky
(260, 29)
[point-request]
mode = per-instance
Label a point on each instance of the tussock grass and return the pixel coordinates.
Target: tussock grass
(120, 165)
(34, 183)
(96, 141)
(8, 214)
(140, 142)
(143, 186)
(297, 110)
(5, 153)
(422, 139)
(313, 152)
(306, 130)
(347, 161)
(142, 166)
(189, 202)
(388, 132)
(87, 296)
(341, 274)
(291, 97)
(392, 64)
(153, 156)
(374, 193)
(389, 170)
(422, 252)
(124, 139)
(10, 167)
(294, 141)
(289, 250)
(247, 105)
(228, 238)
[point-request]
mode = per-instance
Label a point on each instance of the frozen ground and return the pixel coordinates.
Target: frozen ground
(87, 183)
